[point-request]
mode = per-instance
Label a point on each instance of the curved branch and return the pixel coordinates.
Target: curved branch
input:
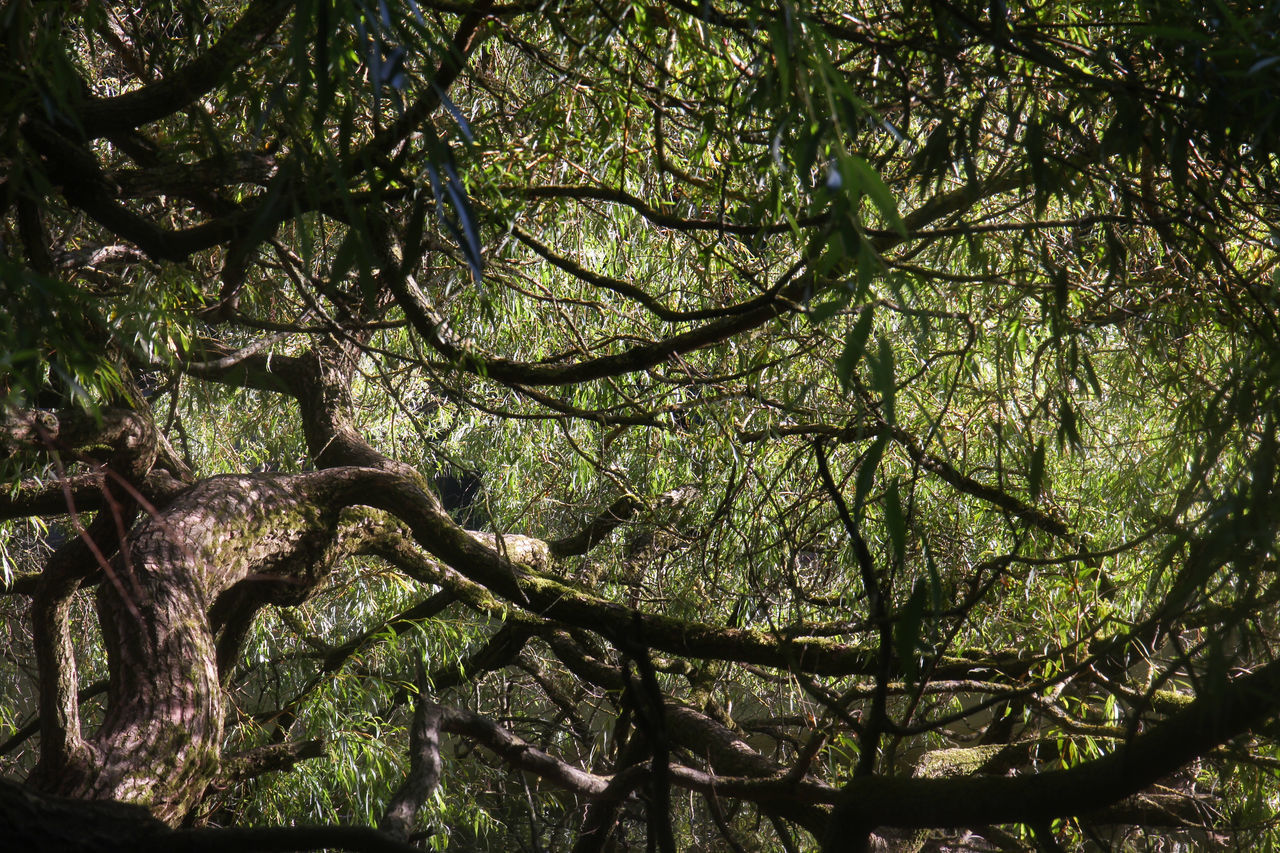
(102, 116)
(434, 329)
(1030, 513)
(466, 38)
(247, 367)
(241, 167)
(518, 753)
(1214, 718)
(662, 218)
(80, 177)
(486, 573)
(424, 766)
(735, 764)
(626, 288)
(619, 512)
(791, 287)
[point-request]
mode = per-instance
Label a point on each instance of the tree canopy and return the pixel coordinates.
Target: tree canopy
(593, 425)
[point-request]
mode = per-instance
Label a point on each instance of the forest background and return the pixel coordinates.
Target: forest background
(590, 425)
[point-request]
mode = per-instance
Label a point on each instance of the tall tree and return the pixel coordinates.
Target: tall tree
(582, 425)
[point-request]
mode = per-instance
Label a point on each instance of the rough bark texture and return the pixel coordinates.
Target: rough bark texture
(264, 538)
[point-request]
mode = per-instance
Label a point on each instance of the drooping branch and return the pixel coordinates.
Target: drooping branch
(754, 776)
(547, 598)
(431, 325)
(1015, 506)
(767, 788)
(792, 287)
(595, 531)
(943, 469)
(519, 753)
(626, 288)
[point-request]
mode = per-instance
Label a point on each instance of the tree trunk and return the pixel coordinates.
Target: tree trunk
(253, 539)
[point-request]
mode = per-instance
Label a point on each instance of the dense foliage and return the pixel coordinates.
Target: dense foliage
(588, 425)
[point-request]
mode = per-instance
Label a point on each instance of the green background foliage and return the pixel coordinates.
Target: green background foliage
(1009, 269)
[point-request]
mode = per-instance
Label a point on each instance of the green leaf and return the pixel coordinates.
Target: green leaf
(895, 522)
(780, 41)
(882, 376)
(1068, 424)
(805, 153)
(861, 175)
(867, 474)
(1035, 471)
(827, 309)
(908, 630)
(869, 266)
(1090, 374)
(345, 258)
(935, 579)
(855, 345)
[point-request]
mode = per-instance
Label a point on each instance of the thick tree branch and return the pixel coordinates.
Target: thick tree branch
(248, 35)
(485, 573)
(129, 442)
(767, 788)
(194, 178)
(424, 765)
(432, 326)
(30, 820)
(252, 763)
(619, 512)
(50, 497)
(1214, 718)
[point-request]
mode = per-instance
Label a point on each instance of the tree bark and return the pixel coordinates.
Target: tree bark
(261, 539)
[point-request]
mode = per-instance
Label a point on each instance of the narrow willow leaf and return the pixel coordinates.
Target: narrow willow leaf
(867, 475)
(870, 182)
(854, 346)
(895, 522)
(780, 40)
(882, 375)
(1035, 471)
(908, 630)
(935, 578)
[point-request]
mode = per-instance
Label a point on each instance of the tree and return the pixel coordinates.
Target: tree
(585, 425)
